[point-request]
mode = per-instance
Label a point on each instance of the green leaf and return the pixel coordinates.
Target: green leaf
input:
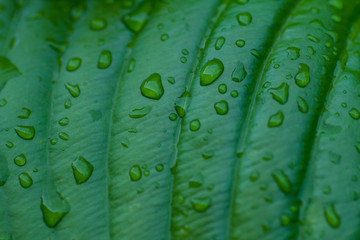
(179, 119)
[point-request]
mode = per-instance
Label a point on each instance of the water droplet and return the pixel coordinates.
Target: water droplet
(25, 132)
(132, 64)
(64, 136)
(254, 176)
(285, 219)
(282, 180)
(105, 59)
(354, 113)
(180, 111)
(185, 52)
(302, 105)
(159, 167)
(276, 119)
(3, 102)
(211, 71)
(240, 43)
(173, 116)
(219, 43)
(20, 160)
(53, 207)
(222, 88)
(239, 73)
(196, 180)
(195, 125)
(255, 53)
(336, 18)
(201, 204)
(64, 121)
(183, 59)
(74, 90)
(135, 173)
(97, 24)
(244, 18)
(67, 103)
(171, 80)
(293, 53)
(221, 107)
(336, 4)
(152, 87)
(25, 180)
(302, 78)
(9, 144)
(313, 38)
(164, 37)
(146, 173)
(331, 216)
(280, 93)
(25, 113)
(82, 169)
(140, 112)
(136, 20)
(73, 64)
(207, 154)
(7, 71)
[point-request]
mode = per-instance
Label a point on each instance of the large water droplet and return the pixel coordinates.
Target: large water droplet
(137, 19)
(221, 107)
(73, 89)
(201, 204)
(276, 119)
(280, 93)
(25, 132)
(105, 59)
(152, 87)
(25, 180)
(140, 112)
(302, 78)
(135, 173)
(20, 160)
(244, 18)
(82, 170)
(73, 64)
(331, 216)
(211, 71)
(53, 207)
(282, 180)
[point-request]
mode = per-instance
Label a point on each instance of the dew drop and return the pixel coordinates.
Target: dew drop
(219, 43)
(240, 43)
(280, 93)
(239, 73)
(285, 219)
(211, 71)
(53, 207)
(244, 18)
(196, 180)
(234, 94)
(331, 216)
(3, 102)
(173, 116)
(73, 64)
(282, 180)
(135, 173)
(254, 176)
(302, 105)
(25, 113)
(25, 180)
(82, 169)
(20, 160)
(354, 113)
(293, 53)
(73, 89)
(221, 107)
(201, 204)
(302, 78)
(140, 112)
(276, 120)
(64, 136)
(313, 38)
(336, 4)
(64, 121)
(136, 20)
(67, 103)
(132, 64)
(97, 24)
(164, 37)
(152, 87)
(105, 59)
(159, 167)
(25, 132)
(195, 125)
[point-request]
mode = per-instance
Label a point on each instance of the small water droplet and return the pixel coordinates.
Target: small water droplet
(211, 71)
(285, 219)
(173, 116)
(354, 113)
(222, 88)
(244, 18)
(20, 160)
(280, 93)
(105, 59)
(164, 37)
(9, 144)
(201, 204)
(219, 43)
(64, 136)
(136, 19)
(302, 78)
(195, 125)
(73, 89)
(67, 103)
(97, 24)
(3, 102)
(302, 105)
(135, 173)
(25, 113)
(313, 38)
(282, 180)
(183, 59)
(293, 53)
(25, 132)
(196, 180)
(25, 180)
(239, 73)
(73, 64)
(254, 176)
(240, 43)
(82, 169)
(132, 64)
(152, 87)
(331, 216)
(159, 167)
(221, 107)
(64, 121)
(185, 51)
(140, 112)
(276, 119)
